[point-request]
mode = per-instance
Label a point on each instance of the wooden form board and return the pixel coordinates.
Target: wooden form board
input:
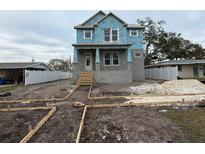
(25, 108)
(38, 126)
(81, 124)
(39, 100)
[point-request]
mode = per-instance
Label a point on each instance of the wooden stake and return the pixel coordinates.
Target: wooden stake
(81, 124)
(29, 128)
(38, 126)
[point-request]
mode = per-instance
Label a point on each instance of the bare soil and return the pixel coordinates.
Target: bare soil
(64, 124)
(137, 124)
(15, 125)
(56, 89)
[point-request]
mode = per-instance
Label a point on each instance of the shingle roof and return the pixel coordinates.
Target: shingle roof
(19, 65)
(135, 26)
(82, 26)
(178, 62)
(112, 15)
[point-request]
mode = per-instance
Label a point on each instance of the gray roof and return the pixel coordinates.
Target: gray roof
(21, 65)
(178, 62)
(82, 26)
(135, 26)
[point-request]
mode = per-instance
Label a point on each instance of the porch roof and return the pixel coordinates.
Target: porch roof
(104, 45)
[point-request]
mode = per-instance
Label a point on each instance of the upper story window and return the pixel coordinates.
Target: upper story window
(87, 34)
(111, 35)
(133, 32)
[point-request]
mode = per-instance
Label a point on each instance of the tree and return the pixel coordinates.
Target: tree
(63, 64)
(161, 45)
(151, 33)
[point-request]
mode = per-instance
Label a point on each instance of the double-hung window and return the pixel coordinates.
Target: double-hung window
(111, 35)
(107, 35)
(111, 58)
(87, 34)
(115, 58)
(133, 32)
(107, 57)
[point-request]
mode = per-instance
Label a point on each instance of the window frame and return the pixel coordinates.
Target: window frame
(111, 58)
(118, 55)
(111, 35)
(134, 35)
(107, 58)
(86, 38)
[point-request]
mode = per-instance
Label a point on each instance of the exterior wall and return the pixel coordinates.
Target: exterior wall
(187, 71)
(124, 76)
(80, 36)
(110, 22)
(138, 65)
(136, 41)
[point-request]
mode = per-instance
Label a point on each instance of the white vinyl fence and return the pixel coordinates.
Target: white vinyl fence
(33, 77)
(162, 73)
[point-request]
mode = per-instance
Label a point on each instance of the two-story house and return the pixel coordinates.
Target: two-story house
(110, 48)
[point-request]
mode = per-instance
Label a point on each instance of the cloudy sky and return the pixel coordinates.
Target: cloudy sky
(44, 35)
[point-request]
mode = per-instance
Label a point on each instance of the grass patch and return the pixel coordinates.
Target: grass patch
(191, 121)
(7, 88)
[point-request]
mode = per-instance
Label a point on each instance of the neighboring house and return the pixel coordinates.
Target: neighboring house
(185, 68)
(14, 72)
(110, 48)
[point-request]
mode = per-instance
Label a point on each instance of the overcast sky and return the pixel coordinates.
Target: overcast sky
(44, 35)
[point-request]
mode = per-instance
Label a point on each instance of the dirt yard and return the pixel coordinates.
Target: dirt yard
(15, 125)
(64, 124)
(138, 124)
(56, 89)
(149, 88)
(123, 124)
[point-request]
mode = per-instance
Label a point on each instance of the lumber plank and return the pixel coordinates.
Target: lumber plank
(38, 126)
(81, 124)
(25, 108)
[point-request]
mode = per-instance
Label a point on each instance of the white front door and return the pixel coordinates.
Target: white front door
(88, 61)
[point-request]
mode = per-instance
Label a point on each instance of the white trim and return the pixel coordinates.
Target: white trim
(91, 35)
(134, 30)
(118, 58)
(111, 58)
(111, 40)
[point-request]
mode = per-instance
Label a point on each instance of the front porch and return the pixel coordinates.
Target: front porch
(109, 64)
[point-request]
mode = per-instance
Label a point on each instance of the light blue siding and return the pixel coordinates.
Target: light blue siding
(80, 36)
(110, 22)
(136, 41)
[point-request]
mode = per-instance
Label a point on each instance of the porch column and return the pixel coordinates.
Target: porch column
(75, 56)
(129, 61)
(129, 55)
(75, 64)
(97, 59)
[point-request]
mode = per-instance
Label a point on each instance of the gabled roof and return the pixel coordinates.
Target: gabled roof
(99, 12)
(91, 26)
(22, 65)
(113, 16)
